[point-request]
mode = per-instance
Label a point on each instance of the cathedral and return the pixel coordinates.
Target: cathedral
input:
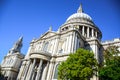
(45, 53)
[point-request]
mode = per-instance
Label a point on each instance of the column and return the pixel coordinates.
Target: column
(45, 71)
(56, 45)
(83, 29)
(31, 72)
(96, 34)
(9, 75)
(33, 75)
(27, 67)
(92, 32)
(87, 32)
(50, 71)
(39, 70)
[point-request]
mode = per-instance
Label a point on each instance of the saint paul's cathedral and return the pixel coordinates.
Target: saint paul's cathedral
(45, 53)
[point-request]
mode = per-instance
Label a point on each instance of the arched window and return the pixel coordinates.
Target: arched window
(56, 72)
(45, 48)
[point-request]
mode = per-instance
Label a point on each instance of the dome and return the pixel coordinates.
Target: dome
(80, 14)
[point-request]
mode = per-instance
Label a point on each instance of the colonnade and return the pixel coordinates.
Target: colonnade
(86, 31)
(89, 32)
(36, 69)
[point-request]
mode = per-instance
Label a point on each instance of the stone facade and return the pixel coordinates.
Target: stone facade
(12, 61)
(45, 53)
(115, 42)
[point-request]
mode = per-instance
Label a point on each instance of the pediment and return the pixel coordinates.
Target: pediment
(48, 34)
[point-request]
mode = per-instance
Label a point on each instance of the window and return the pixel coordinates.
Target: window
(61, 50)
(45, 48)
(62, 29)
(66, 28)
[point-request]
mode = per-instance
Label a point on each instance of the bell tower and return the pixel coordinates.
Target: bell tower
(12, 61)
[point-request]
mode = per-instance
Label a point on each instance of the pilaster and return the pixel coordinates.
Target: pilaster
(83, 29)
(92, 32)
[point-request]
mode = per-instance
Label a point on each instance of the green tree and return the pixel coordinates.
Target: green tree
(111, 65)
(78, 66)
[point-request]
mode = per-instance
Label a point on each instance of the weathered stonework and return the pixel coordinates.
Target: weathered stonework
(45, 53)
(12, 61)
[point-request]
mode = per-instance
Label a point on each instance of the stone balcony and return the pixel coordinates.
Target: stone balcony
(33, 51)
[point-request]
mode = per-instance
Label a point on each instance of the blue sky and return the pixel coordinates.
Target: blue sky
(31, 18)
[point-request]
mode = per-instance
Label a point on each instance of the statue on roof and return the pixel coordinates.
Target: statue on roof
(17, 46)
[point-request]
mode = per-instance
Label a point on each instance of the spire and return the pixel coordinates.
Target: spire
(21, 38)
(80, 10)
(17, 46)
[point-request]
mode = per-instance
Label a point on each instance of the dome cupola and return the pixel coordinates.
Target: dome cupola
(82, 23)
(80, 14)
